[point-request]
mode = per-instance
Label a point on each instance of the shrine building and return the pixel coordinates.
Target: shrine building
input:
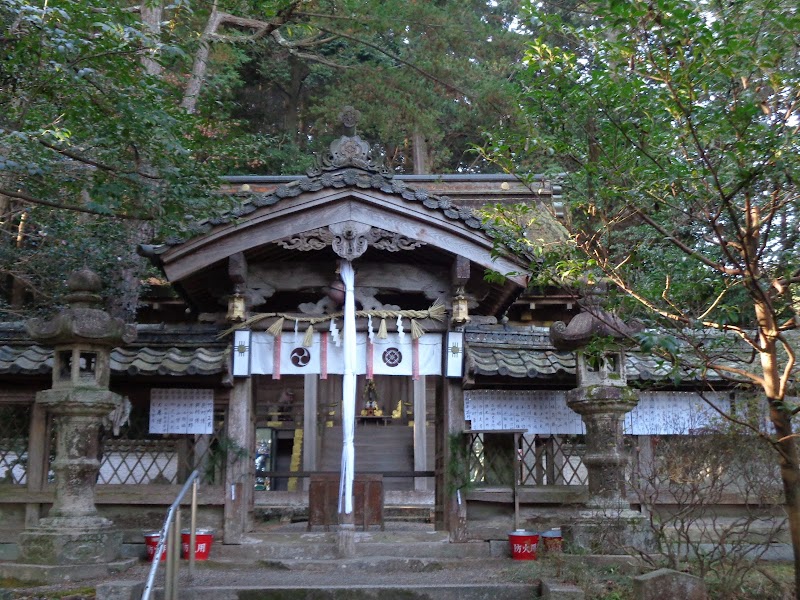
(241, 372)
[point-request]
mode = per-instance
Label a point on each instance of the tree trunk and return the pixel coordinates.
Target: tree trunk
(421, 154)
(790, 477)
(293, 99)
(126, 301)
(200, 65)
(16, 296)
(151, 21)
(780, 416)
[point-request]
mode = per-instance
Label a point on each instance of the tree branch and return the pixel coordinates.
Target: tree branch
(216, 20)
(423, 72)
(74, 207)
(683, 247)
(93, 163)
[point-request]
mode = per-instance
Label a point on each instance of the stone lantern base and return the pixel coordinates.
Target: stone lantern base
(95, 543)
(608, 531)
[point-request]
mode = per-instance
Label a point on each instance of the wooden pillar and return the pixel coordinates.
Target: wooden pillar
(450, 513)
(38, 456)
(420, 433)
(310, 425)
(240, 471)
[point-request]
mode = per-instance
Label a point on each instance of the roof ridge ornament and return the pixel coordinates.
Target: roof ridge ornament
(593, 322)
(349, 150)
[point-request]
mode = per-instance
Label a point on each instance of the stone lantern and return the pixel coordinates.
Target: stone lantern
(602, 398)
(82, 337)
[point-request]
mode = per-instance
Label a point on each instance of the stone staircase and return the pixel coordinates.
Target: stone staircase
(407, 561)
(318, 546)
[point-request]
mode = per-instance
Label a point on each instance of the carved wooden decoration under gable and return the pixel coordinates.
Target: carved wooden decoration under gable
(374, 279)
(349, 239)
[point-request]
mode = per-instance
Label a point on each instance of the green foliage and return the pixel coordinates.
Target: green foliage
(57, 243)
(224, 451)
(83, 126)
(439, 71)
(87, 126)
(676, 125)
(458, 475)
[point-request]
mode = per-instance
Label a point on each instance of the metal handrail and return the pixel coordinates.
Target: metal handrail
(170, 535)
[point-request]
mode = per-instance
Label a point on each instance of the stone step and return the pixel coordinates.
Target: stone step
(374, 535)
(400, 578)
(503, 591)
(370, 564)
(324, 548)
(408, 514)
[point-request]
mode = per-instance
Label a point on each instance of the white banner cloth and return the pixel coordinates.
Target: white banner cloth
(391, 356)
(396, 355)
(455, 354)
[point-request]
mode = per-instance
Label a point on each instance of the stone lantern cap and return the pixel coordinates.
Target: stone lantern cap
(593, 323)
(84, 321)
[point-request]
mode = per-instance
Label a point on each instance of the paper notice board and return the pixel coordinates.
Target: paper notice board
(182, 411)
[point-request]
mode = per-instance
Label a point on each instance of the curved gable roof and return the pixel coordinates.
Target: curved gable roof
(347, 194)
(350, 196)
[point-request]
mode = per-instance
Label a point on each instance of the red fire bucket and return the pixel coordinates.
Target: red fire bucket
(151, 544)
(523, 544)
(552, 541)
(202, 543)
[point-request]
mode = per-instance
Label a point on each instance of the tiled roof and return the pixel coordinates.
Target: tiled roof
(514, 362)
(35, 360)
(169, 361)
(527, 352)
(159, 350)
(547, 363)
(25, 360)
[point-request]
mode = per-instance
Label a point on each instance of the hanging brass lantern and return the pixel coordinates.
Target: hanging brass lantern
(237, 308)
(460, 307)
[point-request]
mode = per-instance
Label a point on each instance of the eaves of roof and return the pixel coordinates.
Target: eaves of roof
(527, 352)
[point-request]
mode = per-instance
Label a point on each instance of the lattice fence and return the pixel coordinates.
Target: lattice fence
(539, 461)
(15, 422)
(552, 460)
(136, 457)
